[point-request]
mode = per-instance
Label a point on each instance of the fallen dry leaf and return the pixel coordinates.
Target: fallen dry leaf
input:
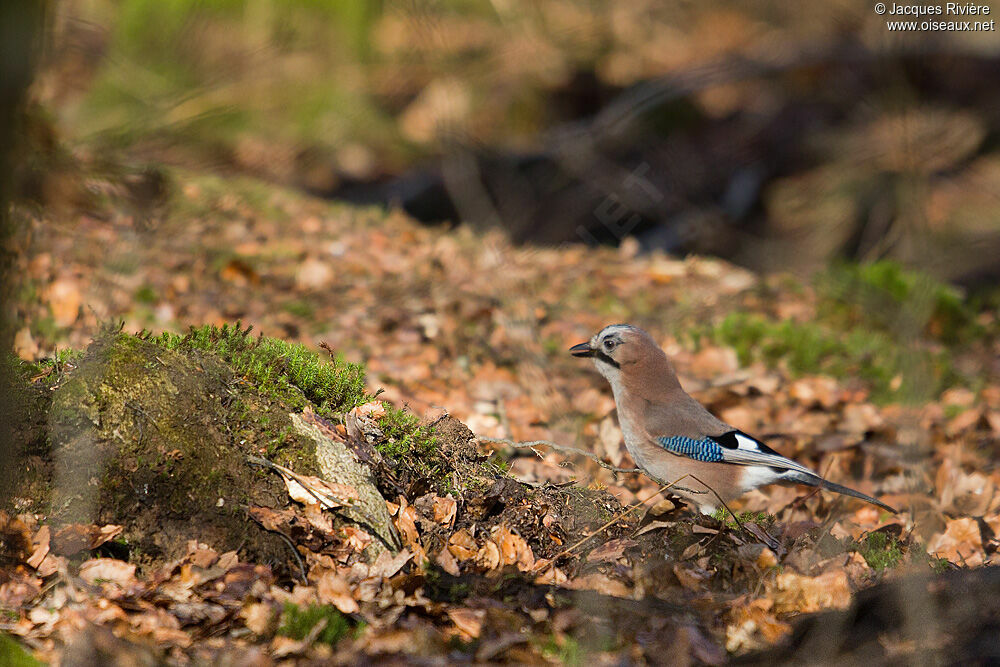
(601, 583)
(462, 545)
(446, 561)
(310, 490)
(73, 538)
(41, 547)
(445, 510)
(108, 569)
(332, 588)
(468, 621)
(610, 551)
(960, 543)
(259, 617)
(488, 557)
(406, 523)
(747, 620)
(64, 299)
(798, 593)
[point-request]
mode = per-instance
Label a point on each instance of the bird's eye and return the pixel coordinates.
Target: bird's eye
(609, 344)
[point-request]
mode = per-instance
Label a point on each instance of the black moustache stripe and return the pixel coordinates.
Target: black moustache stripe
(606, 359)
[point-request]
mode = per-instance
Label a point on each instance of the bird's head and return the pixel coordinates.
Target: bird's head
(617, 348)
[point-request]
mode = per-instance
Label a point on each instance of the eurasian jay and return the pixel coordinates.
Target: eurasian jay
(674, 438)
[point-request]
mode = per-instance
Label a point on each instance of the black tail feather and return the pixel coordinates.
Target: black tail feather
(833, 486)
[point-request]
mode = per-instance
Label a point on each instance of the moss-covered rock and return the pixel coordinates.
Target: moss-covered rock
(155, 440)
(169, 435)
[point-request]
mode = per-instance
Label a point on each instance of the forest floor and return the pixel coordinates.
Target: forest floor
(882, 379)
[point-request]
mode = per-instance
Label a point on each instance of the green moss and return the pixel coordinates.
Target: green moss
(146, 294)
(814, 347)
(762, 519)
(563, 650)
(881, 551)
(413, 448)
(288, 372)
(877, 322)
(13, 655)
(884, 296)
(299, 308)
(297, 621)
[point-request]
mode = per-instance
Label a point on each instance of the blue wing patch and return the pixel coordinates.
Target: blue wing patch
(700, 450)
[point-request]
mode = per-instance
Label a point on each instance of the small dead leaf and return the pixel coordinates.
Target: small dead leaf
(108, 569)
(960, 543)
(310, 490)
(462, 545)
(468, 621)
(445, 510)
(406, 523)
(549, 575)
(691, 577)
(333, 589)
(749, 619)
(692, 551)
(41, 547)
(64, 299)
(386, 565)
(654, 525)
(489, 556)
(610, 551)
(797, 593)
(662, 507)
(601, 583)
(76, 537)
(239, 272)
(259, 618)
(446, 561)
(370, 410)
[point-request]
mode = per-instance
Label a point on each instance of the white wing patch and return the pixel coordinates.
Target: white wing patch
(747, 443)
(751, 452)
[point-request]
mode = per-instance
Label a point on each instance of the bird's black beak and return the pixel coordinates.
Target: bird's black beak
(581, 350)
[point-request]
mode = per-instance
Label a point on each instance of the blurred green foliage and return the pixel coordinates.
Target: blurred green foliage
(877, 322)
(202, 74)
(297, 621)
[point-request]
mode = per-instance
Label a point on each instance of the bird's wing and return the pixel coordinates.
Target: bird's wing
(731, 447)
(736, 447)
(691, 428)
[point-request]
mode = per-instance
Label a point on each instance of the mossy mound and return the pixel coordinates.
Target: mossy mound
(154, 433)
(156, 440)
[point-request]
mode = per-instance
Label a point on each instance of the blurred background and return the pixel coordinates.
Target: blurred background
(773, 135)
(493, 180)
